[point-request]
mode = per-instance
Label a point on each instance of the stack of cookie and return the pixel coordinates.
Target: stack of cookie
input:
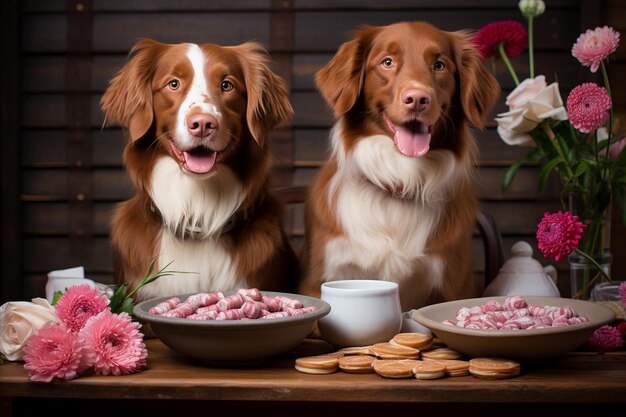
(407, 355)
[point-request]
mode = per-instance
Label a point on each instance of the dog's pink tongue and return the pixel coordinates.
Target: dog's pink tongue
(410, 142)
(200, 163)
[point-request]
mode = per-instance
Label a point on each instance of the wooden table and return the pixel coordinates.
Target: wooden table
(578, 381)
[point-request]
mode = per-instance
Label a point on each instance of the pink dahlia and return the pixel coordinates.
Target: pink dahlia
(558, 234)
(78, 304)
(116, 342)
(509, 32)
(604, 339)
(588, 107)
(55, 352)
(594, 46)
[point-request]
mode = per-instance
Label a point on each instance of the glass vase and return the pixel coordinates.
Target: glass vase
(585, 275)
(595, 242)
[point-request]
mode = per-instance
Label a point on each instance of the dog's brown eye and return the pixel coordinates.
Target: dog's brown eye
(439, 66)
(387, 62)
(227, 86)
(174, 84)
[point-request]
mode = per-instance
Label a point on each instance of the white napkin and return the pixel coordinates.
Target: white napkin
(75, 272)
(62, 279)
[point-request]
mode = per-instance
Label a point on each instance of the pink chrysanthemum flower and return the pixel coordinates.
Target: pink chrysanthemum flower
(604, 339)
(588, 107)
(511, 32)
(594, 46)
(55, 352)
(116, 343)
(622, 292)
(558, 234)
(78, 304)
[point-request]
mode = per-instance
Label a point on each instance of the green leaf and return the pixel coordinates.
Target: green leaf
(509, 175)
(568, 151)
(126, 307)
(55, 297)
(118, 297)
(546, 170)
(581, 168)
(532, 156)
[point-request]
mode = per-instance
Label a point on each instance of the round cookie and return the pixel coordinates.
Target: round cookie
(319, 364)
(357, 364)
(356, 350)
(493, 368)
(414, 340)
(386, 350)
(441, 353)
(429, 370)
(395, 368)
(454, 367)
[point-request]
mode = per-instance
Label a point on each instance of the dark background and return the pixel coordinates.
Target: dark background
(62, 172)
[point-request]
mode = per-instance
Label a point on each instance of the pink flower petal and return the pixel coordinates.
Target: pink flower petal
(78, 304)
(588, 106)
(511, 32)
(116, 343)
(604, 339)
(55, 352)
(594, 46)
(558, 234)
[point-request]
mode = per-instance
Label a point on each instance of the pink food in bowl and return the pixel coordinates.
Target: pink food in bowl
(247, 303)
(514, 314)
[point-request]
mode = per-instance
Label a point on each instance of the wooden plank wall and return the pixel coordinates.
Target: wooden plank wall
(69, 169)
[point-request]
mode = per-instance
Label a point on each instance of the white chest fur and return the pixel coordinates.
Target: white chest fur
(386, 237)
(188, 202)
(202, 205)
(207, 263)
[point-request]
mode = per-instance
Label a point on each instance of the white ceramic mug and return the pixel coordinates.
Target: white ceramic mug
(362, 312)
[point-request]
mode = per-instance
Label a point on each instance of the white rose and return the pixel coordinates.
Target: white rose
(530, 103)
(19, 320)
(527, 89)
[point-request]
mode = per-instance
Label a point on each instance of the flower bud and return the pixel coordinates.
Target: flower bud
(532, 8)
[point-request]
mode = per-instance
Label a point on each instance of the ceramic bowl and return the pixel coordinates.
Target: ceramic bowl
(226, 343)
(514, 344)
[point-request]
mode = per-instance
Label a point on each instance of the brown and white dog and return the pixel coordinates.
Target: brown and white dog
(395, 201)
(197, 119)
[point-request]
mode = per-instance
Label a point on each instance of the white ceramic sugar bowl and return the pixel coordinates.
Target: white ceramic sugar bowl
(523, 275)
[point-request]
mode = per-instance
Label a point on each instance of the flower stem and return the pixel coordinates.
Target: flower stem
(607, 85)
(150, 277)
(531, 55)
(507, 62)
(555, 143)
(605, 76)
(584, 291)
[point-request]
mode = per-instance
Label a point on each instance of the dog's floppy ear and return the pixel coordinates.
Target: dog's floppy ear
(268, 96)
(340, 81)
(128, 99)
(479, 89)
